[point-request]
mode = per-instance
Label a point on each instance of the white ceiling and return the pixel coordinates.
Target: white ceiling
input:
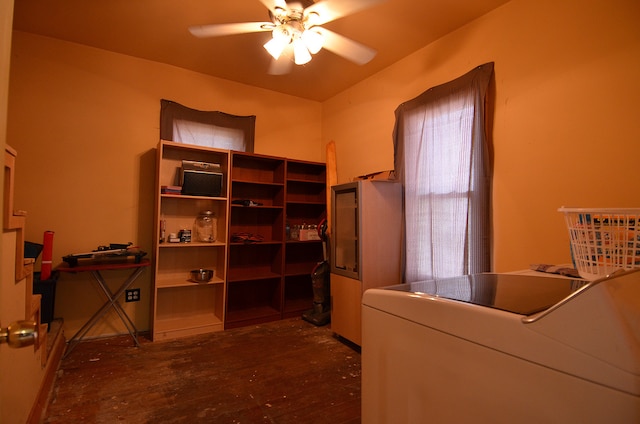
(158, 30)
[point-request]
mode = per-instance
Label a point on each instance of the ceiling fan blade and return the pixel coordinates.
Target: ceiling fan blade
(330, 10)
(283, 64)
(347, 48)
(217, 30)
(273, 4)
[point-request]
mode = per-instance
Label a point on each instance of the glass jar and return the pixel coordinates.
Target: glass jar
(206, 227)
(295, 232)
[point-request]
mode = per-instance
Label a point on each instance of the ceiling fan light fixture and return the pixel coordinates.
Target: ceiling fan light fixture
(275, 47)
(279, 41)
(301, 54)
(313, 40)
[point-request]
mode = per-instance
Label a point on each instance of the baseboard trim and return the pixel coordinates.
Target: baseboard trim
(44, 394)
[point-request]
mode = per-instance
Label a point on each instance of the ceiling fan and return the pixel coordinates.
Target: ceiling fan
(297, 32)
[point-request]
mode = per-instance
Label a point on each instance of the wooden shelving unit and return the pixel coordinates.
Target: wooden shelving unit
(269, 278)
(255, 267)
(305, 204)
(181, 307)
(260, 276)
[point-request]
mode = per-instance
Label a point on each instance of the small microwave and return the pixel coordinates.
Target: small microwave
(201, 179)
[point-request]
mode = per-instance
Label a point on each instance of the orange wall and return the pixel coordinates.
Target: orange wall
(85, 123)
(566, 127)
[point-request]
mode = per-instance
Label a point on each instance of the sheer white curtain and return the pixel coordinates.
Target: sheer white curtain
(442, 158)
(208, 135)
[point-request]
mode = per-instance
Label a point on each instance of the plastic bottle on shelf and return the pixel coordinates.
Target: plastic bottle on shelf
(163, 230)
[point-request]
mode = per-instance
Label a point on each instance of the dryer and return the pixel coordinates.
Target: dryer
(503, 348)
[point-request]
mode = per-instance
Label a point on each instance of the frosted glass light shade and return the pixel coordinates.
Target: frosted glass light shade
(300, 53)
(313, 40)
(276, 46)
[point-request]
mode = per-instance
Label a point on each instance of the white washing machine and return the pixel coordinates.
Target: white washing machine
(503, 348)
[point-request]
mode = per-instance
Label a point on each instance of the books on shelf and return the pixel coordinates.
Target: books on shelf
(167, 189)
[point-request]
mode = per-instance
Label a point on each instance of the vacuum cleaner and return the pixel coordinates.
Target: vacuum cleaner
(320, 314)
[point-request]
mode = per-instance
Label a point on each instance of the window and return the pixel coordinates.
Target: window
(441, 156)
(201, 134)
(203, 128)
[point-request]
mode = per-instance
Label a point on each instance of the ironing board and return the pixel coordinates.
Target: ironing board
(96, 269)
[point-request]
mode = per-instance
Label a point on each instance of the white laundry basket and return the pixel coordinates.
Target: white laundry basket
(603, 240)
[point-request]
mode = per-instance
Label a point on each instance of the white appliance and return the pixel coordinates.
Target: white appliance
(503, 348)
(364, 252)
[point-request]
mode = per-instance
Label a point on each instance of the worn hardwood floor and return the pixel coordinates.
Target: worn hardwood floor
(283, 372)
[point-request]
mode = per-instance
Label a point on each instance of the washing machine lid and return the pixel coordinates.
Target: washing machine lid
(519, 294)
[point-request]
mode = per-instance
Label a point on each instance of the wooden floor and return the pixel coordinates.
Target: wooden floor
(284, 372)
